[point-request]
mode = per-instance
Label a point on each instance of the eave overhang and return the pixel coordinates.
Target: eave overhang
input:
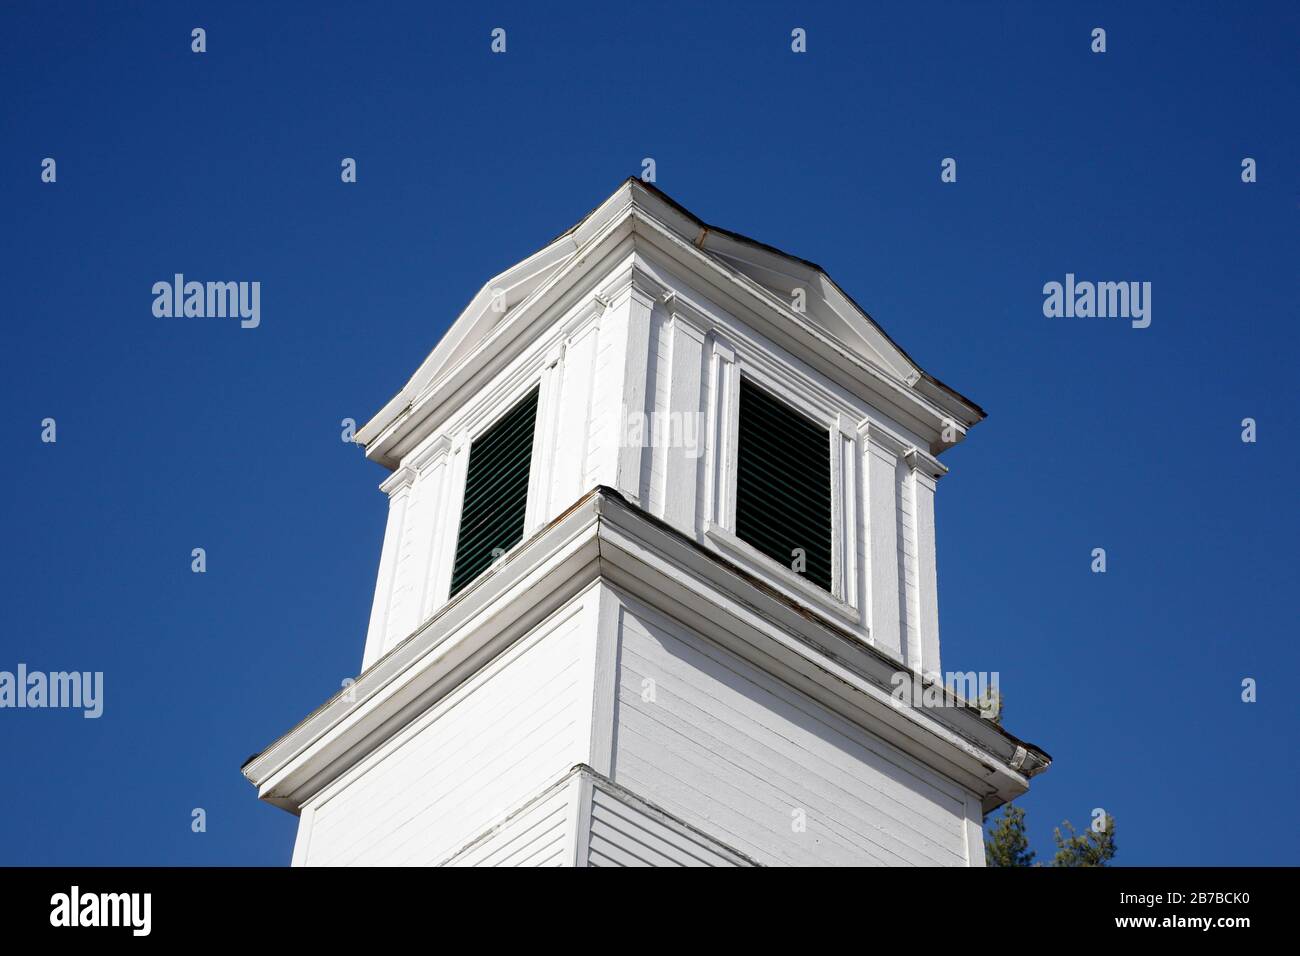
(603, 538)
(545, 285)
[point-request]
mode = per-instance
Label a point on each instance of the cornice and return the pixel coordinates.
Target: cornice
(755, 304)
(397, 481)
(601, 537)
(879, 438)
(925, 464)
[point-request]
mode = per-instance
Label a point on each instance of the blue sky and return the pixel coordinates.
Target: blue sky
(183, 433)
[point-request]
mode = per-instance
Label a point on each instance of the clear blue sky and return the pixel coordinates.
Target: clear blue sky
(183, 433)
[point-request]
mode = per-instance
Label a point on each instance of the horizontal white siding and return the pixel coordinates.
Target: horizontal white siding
(625, 833)
(736, 753)
(537, 835)
(518, 724)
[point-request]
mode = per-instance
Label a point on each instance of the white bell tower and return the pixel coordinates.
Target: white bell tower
(660, 551)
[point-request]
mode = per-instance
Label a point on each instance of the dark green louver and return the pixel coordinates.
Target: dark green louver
(783, 483)
(496, 492)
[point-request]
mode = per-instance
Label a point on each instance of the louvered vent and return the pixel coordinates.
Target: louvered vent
(496, 492)
(783, 484)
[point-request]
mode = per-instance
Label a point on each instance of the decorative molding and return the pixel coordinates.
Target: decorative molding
(925, 465)
(585, 315)
(438, 447)
(920, 408)
(876, 437)
(759, 564)
(720, 437)
(846, 426)
(401, 479)
(688, 325)
(682, 310)
(846, 493)
(722, 348)
(599, 537)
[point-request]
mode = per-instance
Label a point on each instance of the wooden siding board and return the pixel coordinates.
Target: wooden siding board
(531, 837)
(614, 821)
(733, 751)
(480, 753)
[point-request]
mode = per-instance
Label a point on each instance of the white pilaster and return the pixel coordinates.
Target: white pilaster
(439, 537)
(545, 437)
(925, 472)
(635, 392)
(397, 486)
(683, 462)
(844, 516)
(882, 451)
(573, 424)
(720, 444)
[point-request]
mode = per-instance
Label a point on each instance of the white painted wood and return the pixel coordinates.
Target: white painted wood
(535, 835)
(441, 533)
(654, 453)
(604, 415)
(907, 566)
(421, 536)
(927, 597)
(681, 475)
(881, 465)
(625, 831)
(579, 791)
(444, 561)
(722, 618)
(719, 451)
(545, 437)
(570, 452)
(485, 729)
(634, 395)
(845, 495)
(397, 487)
(833, 335)
(604, 664)
(726, 748)
(974, 832)
(592, 373)
(475, 757)
(303, 840)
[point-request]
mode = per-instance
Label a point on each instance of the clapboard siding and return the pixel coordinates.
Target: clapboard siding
(477, 756)
(722, 760)
(731, 750)
(625, 833)
(537, 835)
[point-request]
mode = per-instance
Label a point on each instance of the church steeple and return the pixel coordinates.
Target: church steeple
(660, 542)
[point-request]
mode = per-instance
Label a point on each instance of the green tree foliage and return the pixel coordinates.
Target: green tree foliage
(1090, 848)
(1007, 844)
